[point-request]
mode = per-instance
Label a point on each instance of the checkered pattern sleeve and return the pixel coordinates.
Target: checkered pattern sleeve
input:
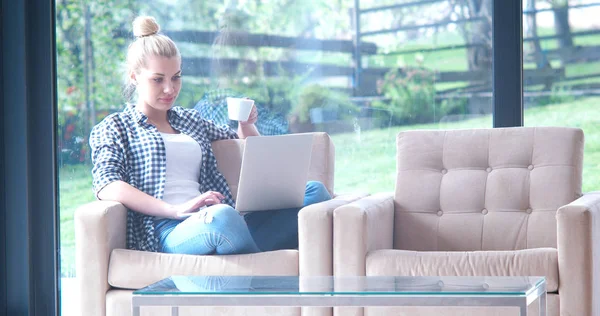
(108, 155)
(211, 130)
(217, 132)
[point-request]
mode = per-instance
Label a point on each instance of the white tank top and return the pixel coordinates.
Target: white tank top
(184, 157)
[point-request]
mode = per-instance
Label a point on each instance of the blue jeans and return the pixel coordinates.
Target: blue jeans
(231, 233)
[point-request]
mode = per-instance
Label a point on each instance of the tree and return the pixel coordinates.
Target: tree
(89, 64)
(478, 33)
(478, 37)
(531, 20)
(561, 22)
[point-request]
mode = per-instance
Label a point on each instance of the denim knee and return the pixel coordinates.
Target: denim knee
(224, 209)
(221, 230)
(315, 185)
(232, 227)
(224, 213)
(316, 192)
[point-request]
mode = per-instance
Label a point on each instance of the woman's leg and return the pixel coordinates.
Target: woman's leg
(226, 234)
(278, 229)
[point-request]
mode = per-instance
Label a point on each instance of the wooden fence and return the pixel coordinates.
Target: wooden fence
(478, 82)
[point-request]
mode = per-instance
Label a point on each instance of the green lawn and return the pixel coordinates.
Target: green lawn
(365, 161)
(75, 189)
(371, 154)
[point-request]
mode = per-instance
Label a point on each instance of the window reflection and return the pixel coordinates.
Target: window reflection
(560, 47)
(418, 65)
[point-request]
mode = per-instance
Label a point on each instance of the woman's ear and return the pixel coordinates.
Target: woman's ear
(132, 77)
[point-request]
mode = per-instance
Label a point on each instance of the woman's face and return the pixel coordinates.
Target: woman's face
(158, 83)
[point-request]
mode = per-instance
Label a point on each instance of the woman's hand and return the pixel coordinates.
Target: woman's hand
(184, 210)
(252, 118)
(247, 128)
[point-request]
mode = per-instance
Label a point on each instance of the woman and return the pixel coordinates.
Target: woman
(157, 160)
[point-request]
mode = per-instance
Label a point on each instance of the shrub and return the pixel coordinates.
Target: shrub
(410, 95)
(335, 105)
(411, 98)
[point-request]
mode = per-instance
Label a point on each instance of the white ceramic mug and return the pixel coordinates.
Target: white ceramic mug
(239, 109)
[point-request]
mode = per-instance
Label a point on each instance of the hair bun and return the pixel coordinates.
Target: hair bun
(145, 26)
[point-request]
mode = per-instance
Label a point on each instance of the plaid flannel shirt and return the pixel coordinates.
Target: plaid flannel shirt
(126, 147)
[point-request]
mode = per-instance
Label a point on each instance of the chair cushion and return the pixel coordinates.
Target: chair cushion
(529, 262)
(129, 269)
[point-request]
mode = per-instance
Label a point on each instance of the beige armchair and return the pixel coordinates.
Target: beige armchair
(487, 202)
(107, 273)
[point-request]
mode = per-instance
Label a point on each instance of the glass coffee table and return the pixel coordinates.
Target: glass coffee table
(294, 291)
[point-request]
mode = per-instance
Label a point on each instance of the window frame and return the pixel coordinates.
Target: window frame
(507, 71)
(28, 169)
(2, 211)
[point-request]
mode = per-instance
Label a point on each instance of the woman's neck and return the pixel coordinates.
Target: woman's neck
(157, 118)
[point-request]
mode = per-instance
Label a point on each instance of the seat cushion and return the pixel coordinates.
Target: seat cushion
(129, 269)
(118, 303)
(527, 262)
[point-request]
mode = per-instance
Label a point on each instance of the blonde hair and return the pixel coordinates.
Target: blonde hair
(148, 42)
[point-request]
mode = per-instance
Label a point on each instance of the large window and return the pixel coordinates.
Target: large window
(360, 73)
(561, 52)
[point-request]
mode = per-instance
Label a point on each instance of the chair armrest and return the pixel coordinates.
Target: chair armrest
(100, 227)
(359, 227)
(315, 243)
(578, 232)
(315, 235)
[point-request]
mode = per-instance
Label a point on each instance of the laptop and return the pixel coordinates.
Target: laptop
(274, 172)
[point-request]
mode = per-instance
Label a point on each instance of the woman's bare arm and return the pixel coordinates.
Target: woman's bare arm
(136, 200)
(246, 130)
(141, 202)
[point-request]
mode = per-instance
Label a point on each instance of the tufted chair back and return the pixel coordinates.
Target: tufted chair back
(484, 189)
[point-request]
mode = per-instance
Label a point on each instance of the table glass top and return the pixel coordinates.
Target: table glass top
(371, 285)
